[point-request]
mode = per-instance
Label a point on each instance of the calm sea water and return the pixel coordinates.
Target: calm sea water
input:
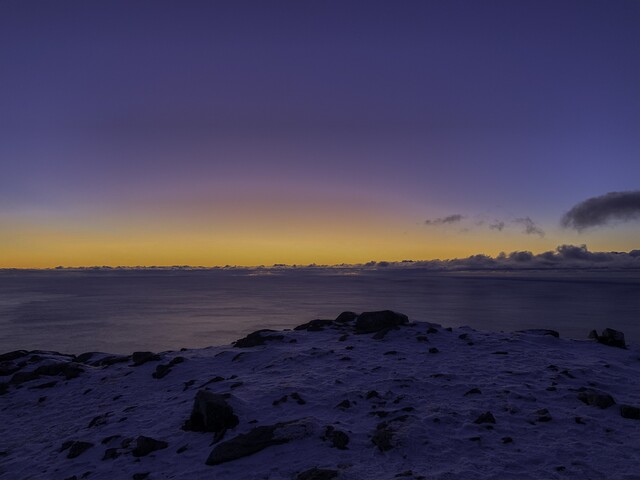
(123, 311)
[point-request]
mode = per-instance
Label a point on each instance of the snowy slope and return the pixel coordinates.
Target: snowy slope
(412, 404)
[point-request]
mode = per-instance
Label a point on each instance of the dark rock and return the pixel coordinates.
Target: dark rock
(543, 415)
(140, 358)
(51, 369)
(434, 350)
(486, 417)
(372, 394)
(609, 337)
(256, 338)
(382, 437)
(371, 322)
(299, 400)
(14, 355)
(540, 331)
(256, 440)
(4, 388)
(343, 337)
(507, 440)
(44, 385)
(627, 411)
(77, 448)
(317, 474)
(99, 420)
(338, 438)
(111, 454)
(473, 391)
(435, 330)
(162, 371)
(422, 338)
(7, 368)
(141, 476)
(595, 398)
(146, 445)
(344, 404)
(109, 439)
(346, 317)
(71, 371)
(211, 413)
(315, 325)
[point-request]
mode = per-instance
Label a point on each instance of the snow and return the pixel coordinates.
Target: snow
(425, 401)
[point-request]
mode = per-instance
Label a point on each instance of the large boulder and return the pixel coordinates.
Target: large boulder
(211, 413)
(370, 322)
(146, 445)
(609, 337)
(258, 439)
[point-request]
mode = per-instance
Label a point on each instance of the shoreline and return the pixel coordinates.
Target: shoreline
(347, 398)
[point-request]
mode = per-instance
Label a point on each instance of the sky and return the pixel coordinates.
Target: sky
(249, 133)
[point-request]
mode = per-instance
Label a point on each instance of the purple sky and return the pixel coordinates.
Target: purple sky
(235, 113)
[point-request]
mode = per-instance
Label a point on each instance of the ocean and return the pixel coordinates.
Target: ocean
(120, 311)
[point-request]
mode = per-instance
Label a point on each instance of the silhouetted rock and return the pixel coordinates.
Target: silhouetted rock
(382, 437)
(14, 355)
(595, 398)
(338, 438)
(140, 358)
(370, 322)
(258, 439)
(317, 474)
(146, 445)
(346, 317)
(256, 338)
(315, 325)
(609, 337)
(77, 448)
(627, 411)
(486, 417)
(23, 377)
(211, 413)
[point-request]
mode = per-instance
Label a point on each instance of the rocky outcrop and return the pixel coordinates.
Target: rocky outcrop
(140, 358)
(146, 445)
(371, 322)
(609, 337)
(595, 398)
(257, 338)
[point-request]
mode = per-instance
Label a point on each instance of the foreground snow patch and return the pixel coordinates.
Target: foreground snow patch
(361, 397)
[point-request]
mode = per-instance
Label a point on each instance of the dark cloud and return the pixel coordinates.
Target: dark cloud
(597, 211)
(445, 220)
(530, 228)
(497, 226)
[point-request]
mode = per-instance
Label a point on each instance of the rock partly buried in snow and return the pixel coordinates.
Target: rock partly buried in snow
(370, 322)
(257, 338)
(627, 411)
(76, 448)
(609, 337)
(211, 413)
(258, 439)
(540, 331)
(146, 445)
(595, 398)
(486, 417)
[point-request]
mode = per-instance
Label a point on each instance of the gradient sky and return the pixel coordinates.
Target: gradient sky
(213, 133)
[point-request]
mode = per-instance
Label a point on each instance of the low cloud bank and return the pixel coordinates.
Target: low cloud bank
(563, 257)
(444, 220)
(602, 210)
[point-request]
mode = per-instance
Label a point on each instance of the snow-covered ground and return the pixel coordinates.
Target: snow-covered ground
(415, 401)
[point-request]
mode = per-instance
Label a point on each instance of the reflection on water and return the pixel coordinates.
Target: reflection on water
(122, 311)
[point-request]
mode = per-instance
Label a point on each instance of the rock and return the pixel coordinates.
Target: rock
(371, 322)
(23, 377)
(211, 413)
(4, 388)
(381, 334)
(162, 371)
(14, 355)
(473, 391)
(314, 325)
(486, 417)
(317, 474)
(7, 368)
(344, 404)
(140, 358)
(540, 331)
(256, 338)
(77, 448)
(595, 398)
(141, 476)
(627, 411)
(258, 439)
(110, 454)
(382, 437)
(346, 317)
(146, 445)
(434, 350)
(609, 337)
(338, 438)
